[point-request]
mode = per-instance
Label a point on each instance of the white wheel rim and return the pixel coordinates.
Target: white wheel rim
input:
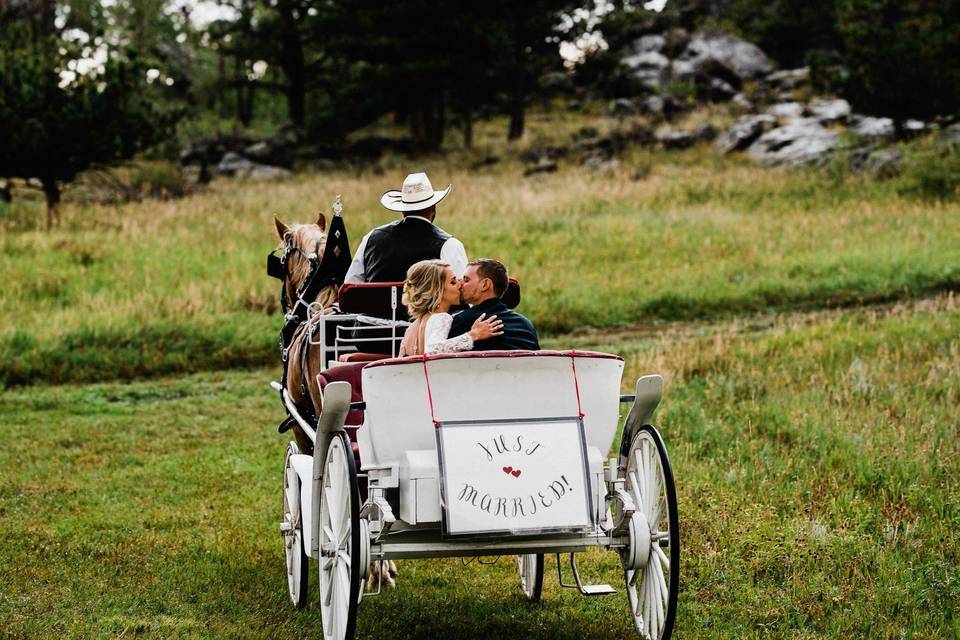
(335, 548)
(293, 537)
(527, 564)
(648, 588)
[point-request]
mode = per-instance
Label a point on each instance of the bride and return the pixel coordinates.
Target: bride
(429, 291)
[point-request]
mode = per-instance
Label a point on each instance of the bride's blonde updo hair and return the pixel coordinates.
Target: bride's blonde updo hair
(423, 288)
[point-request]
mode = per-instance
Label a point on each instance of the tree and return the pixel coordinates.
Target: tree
(55, 122)
(899, 57)
(526, 38)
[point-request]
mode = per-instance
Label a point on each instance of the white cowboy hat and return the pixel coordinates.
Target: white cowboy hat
(417, 194)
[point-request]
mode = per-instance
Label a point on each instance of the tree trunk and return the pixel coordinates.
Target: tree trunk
(417, 127)
(436, 122)
(468, 128)
(5, 193)
(51, 190)
(516, 119)
(294, 64)
(221, 94)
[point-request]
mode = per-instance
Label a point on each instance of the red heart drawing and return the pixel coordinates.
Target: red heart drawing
(516, 473)
(507, 469)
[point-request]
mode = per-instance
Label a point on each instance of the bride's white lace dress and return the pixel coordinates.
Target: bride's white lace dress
(435, 336)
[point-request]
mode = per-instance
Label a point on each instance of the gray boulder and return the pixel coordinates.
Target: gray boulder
(233, 164)
(800, 141)
(705, 133)
(788, 79)
(622, 107)
(646, 68)
(872, 128)
(600, 162)
(678, 71)
(742, 103)
(709, 49)
(786, 110)
(883, 163)
(267, 172)
(914, 128)
(236, 165)
(950, 135)
(670, 139)
(647, 43)
(744, 132)
(543, 166)
(829, 110)
(653, 104)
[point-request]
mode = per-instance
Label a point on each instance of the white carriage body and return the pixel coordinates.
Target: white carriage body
(398, 442)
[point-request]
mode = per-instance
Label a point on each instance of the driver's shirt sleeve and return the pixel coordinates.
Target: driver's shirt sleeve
(357, 271)
(455, 255)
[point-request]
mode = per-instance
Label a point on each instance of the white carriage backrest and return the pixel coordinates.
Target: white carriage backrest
(485, 386)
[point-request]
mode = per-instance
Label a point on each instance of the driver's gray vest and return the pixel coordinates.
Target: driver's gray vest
(393, 248)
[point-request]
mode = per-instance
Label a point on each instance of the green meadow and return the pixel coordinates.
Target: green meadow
(168, 287)
(806, 325)
(817, 457)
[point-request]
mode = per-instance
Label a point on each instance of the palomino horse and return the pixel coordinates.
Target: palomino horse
(303, 245)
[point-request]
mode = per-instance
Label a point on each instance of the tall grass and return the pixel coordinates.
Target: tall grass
(692, 236)
(816, 458)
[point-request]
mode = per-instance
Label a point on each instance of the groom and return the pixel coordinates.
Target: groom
(484, 282)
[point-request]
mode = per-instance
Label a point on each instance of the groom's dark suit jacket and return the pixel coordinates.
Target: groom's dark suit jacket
(518, 332)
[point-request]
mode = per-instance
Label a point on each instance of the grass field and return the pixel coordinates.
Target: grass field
(157, 288)
(806, 325)
(817, 458)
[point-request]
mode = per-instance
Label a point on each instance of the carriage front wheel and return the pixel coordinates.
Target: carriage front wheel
(651, 563)
(291, 527)
(340, 570)
(531, 575)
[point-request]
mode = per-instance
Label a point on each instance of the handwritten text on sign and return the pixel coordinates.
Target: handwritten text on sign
(514, 477)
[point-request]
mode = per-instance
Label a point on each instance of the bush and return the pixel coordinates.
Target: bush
(158, 179)
(931, 174)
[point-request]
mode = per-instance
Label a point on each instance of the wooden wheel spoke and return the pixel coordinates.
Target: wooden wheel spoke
(657, 551)
(661, 582)
(635, 491)
(653, 488)
(657, 595)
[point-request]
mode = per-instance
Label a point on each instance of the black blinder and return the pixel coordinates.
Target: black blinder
(276, 267)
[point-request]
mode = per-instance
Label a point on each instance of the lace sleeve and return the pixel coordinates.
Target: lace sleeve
(435, 338)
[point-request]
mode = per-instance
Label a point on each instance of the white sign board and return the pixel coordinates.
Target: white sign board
(514, 476)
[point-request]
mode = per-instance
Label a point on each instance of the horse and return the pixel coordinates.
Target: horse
(303, 245)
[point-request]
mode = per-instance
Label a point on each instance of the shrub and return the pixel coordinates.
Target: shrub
(931, 174)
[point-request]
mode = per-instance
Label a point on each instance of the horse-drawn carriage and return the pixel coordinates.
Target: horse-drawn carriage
(473, 454)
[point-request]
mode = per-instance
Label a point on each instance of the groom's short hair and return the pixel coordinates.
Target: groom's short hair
(493, 269)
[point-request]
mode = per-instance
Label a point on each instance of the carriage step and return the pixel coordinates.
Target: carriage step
(597, 589)
(585, 589)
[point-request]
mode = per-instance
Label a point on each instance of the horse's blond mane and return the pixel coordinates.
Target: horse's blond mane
(308, 238)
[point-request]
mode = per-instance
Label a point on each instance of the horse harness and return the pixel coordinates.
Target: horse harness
(325, 272)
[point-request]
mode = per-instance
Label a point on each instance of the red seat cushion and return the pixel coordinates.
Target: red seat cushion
(347, 373)
(363, 357)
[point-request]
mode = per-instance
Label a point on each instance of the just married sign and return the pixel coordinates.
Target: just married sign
(514, 476)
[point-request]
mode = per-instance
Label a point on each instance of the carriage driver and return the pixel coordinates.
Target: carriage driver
(385, 253)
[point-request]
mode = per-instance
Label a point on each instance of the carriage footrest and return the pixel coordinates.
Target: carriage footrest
(597, 589)
(585, 589)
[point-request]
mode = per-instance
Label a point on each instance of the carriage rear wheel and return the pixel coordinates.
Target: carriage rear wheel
(340, 570)
(651, 563)
(292, 530)
(531, 575)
